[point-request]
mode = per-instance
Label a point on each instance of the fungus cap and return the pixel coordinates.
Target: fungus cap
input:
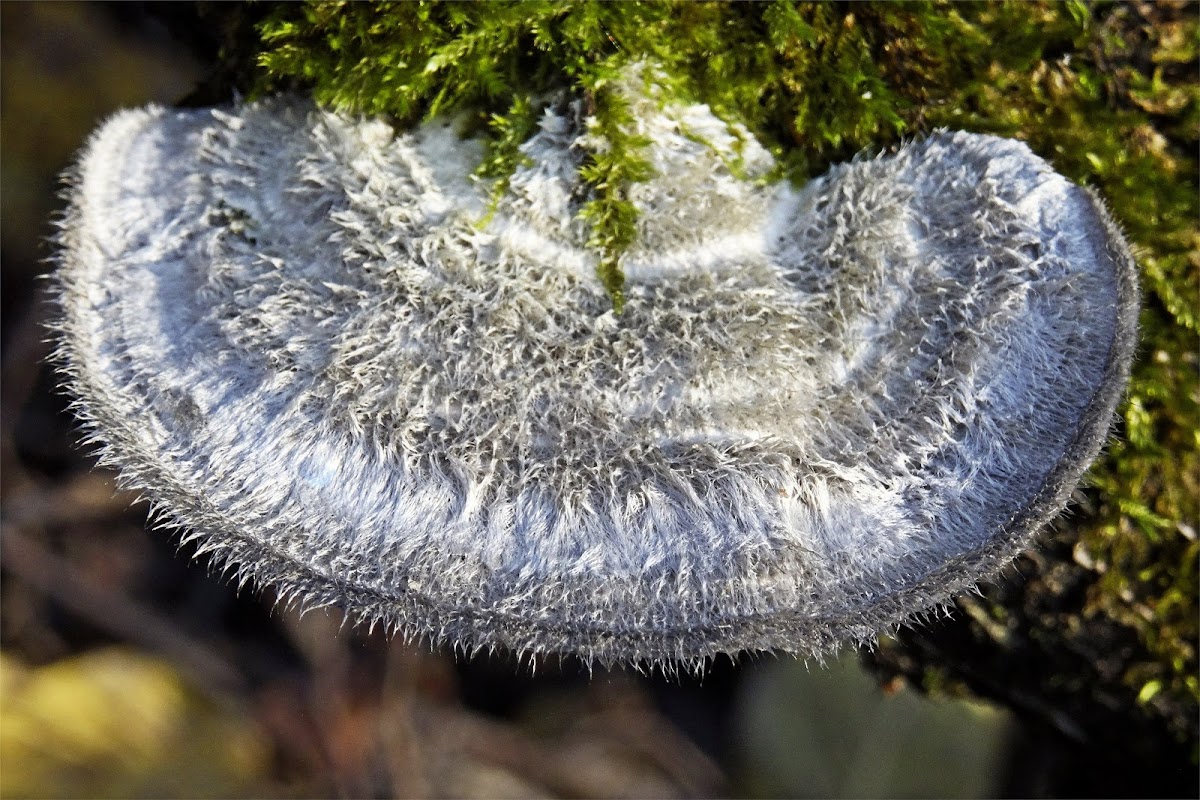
(822, 411)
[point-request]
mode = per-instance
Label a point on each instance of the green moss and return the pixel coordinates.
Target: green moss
(501, 61)
(1106, 93)
(609, 171)
(508, 132)
(815, 83)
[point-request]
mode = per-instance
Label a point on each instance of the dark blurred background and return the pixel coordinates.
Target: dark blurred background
(128, 669)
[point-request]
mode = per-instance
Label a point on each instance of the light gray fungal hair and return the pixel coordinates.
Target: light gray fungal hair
(822, 413)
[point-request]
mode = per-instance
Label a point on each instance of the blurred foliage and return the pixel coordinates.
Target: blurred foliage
(854, 739)
(46, 104)
(114, 723)
(1107, 93)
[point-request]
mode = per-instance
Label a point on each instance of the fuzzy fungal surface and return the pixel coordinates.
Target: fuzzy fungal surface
(353, 371)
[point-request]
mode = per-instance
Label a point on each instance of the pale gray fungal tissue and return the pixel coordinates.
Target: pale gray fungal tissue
(823, 412)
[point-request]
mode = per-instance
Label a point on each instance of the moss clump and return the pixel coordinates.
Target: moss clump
(501, 61)
(814, 83)
(1106, 93)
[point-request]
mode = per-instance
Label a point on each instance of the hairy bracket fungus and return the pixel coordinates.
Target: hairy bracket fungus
(324, 352)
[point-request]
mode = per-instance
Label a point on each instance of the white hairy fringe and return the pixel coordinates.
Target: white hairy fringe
(821, 414)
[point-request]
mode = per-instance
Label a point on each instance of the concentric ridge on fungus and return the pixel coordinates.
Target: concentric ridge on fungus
(821, 413)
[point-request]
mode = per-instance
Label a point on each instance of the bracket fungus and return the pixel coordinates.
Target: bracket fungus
(822, 411)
